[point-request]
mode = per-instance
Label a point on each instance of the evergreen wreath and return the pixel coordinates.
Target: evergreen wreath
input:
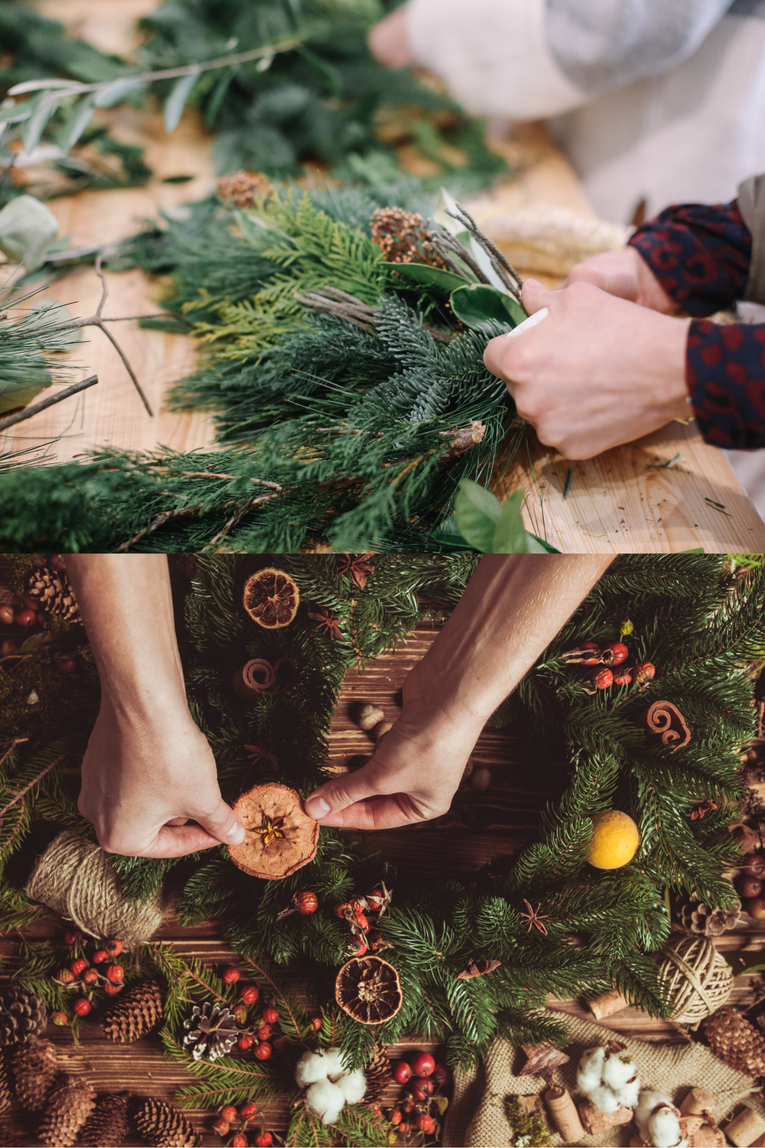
(542, 920)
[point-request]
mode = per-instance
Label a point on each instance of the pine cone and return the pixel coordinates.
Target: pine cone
(34, 1072)
(378, 1076)
(211, 1030)
(6, 1092)
(135, 1013)
(736, 1041)
(67, 1108)
(22, 1015)
(55, 593)
(696, 917)
(163, 1126)
(109, 1123)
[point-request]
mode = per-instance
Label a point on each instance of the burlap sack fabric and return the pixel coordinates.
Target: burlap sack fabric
(476, 1116)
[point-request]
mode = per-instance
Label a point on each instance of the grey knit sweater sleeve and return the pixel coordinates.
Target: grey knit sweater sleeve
(602, 44)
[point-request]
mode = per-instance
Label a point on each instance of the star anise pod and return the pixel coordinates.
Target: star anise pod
(326, 622)
(534, 918)
(357, 566)
(262, 756)
(271, 830)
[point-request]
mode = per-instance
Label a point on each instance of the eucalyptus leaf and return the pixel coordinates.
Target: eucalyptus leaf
(476, 513)
(80, 117)
(116, 91)
(538, 545)
(44, 85)
(481, 307)
(36, 124)
(510, 533)
(27, 230)
(176, 101)
(426, 275)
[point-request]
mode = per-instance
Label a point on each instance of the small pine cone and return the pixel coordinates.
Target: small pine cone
(22, 1015)
(67, 1108)
(245, 188)
(6, 1091)
(736, 1041)
(54, 591)
(696, 917)
(163, 1126)
(34, 1073)
(135, 1013)
(377, 1073)
(109, 1123)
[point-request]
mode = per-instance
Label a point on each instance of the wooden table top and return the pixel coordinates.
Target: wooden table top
(623, 500)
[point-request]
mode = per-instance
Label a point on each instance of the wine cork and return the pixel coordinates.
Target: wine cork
(607, 1004)
(698, 1102)
(709, 1137)
(596, 1122)
(564, 1114)
(746, 1128)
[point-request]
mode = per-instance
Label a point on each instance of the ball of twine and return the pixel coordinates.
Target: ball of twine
(695, 978)
(78, 881)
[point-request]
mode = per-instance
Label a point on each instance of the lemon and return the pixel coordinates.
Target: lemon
(615, 840)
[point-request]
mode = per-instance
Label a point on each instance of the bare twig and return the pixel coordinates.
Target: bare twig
(29, 412)
(11, 746)
(502, 266)
(332, 301)
(235, 519)
(17, 796)
(445, 245)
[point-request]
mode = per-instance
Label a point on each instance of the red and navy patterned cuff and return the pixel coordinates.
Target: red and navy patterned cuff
(700, 253)
(725, 373)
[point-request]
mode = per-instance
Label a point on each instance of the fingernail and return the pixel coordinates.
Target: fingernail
(316, 807)
(237, 834)
(533, 283)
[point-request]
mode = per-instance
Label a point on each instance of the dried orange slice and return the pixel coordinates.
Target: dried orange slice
(272, 598)
(368, 989)
(281, 837)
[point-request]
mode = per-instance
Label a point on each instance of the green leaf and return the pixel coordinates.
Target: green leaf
(481, 307)
(116, 91)
(176, 101)
(80, 117)
(44, 109)
(216, 99)
(294, 11)
(426, 275)
(538, 545)
(477, 513)
(329, 74)
(43, 85)
(510, 533)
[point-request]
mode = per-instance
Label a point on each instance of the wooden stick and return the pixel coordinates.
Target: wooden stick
(29, 412)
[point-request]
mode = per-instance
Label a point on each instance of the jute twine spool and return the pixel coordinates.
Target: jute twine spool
(696, 979)
(78, 881)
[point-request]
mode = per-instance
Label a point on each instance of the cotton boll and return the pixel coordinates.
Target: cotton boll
(333, 1058)
(664, 1128)
(311, 1068)
(590, 1069)
(325, 1100)
(604, 1098)
(353, 1086)
(617, 1070)
(629, 1092)
(647, 1101)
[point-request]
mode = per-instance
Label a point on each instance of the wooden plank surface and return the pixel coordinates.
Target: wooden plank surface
(618, 501)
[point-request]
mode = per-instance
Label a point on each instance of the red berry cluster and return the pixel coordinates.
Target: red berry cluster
(80, 972)
(257, 1031)
(229, 1114)
(751, 884)
(363, 915)
(418, 1109)
(613, 672)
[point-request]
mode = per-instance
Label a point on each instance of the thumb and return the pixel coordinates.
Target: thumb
(223, 825)
(535, 296)
(345, 791)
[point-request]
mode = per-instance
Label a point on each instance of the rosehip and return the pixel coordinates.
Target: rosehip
(239, 1141)
(9, 647)
(270, 1015)
(305, 902)
(66, 976)
(112, 989)
(425, 1123)
(614, 654)
(222, 1127)
(408, 1104)
(404, 1128)
(756, 908)
(82, 1006)
(25, 618)
(246, 1042)
(441, 1075)
(361, 920)
(316, 1023)
(395, 1116)
(423, 1064)
(750, 887)
(375, 900)
(66, 665)
(250, 994)
(264, 1032)
(60, 1018)
(622, 678)
(343, 910)
(602, 679)
(115, 973)
(79, 966)
(100, 956)
(422, 1087)
(90, 976)
(71, 938)
(374, 939)
(240, 1013)
(357, 946)
(41, 619)
(6, 615)
(402, 1073)
(113, 948)
(228, 1113)
(644, 672)
(231, 976)
(247, 1110)
(279, 1043)
(264, 1139)
(263, 1051)
(753, 865)
(593, 661)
